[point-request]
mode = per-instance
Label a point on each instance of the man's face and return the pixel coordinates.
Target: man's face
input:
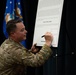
(20, 32)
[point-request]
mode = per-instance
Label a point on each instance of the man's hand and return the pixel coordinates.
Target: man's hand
(48, 38)
(34, 49)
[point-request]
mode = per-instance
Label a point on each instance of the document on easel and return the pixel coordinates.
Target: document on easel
(48, 19)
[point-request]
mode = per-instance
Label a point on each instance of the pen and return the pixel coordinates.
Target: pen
(42, 36)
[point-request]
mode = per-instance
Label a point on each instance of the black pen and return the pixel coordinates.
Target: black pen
(42, 36)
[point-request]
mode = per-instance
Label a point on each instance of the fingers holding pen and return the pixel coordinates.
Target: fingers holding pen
(48, 38)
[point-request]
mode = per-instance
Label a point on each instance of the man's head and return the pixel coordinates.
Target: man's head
(16, 30)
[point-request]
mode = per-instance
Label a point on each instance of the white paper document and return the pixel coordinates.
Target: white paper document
(48, 19)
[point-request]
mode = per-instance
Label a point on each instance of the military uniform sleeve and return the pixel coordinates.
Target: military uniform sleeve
(37, 59)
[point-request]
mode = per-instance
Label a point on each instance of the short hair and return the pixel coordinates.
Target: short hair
(11, 25)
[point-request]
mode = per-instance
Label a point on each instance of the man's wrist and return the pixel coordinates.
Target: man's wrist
(48, 43)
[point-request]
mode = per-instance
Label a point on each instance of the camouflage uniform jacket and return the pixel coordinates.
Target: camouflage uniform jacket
(14, 58)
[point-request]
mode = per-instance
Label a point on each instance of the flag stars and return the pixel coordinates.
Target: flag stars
(6, 7)
(10, 2)
(18, 3)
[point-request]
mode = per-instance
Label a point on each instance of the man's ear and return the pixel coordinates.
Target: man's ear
(12, 33)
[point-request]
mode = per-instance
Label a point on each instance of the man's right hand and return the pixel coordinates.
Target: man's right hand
(48, 38)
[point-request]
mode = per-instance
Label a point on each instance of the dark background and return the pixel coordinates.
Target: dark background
(65, 61)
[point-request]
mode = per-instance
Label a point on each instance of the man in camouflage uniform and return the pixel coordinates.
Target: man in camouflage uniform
(14, 58)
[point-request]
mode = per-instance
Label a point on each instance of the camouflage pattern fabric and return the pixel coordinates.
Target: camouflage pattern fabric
(14, 58)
